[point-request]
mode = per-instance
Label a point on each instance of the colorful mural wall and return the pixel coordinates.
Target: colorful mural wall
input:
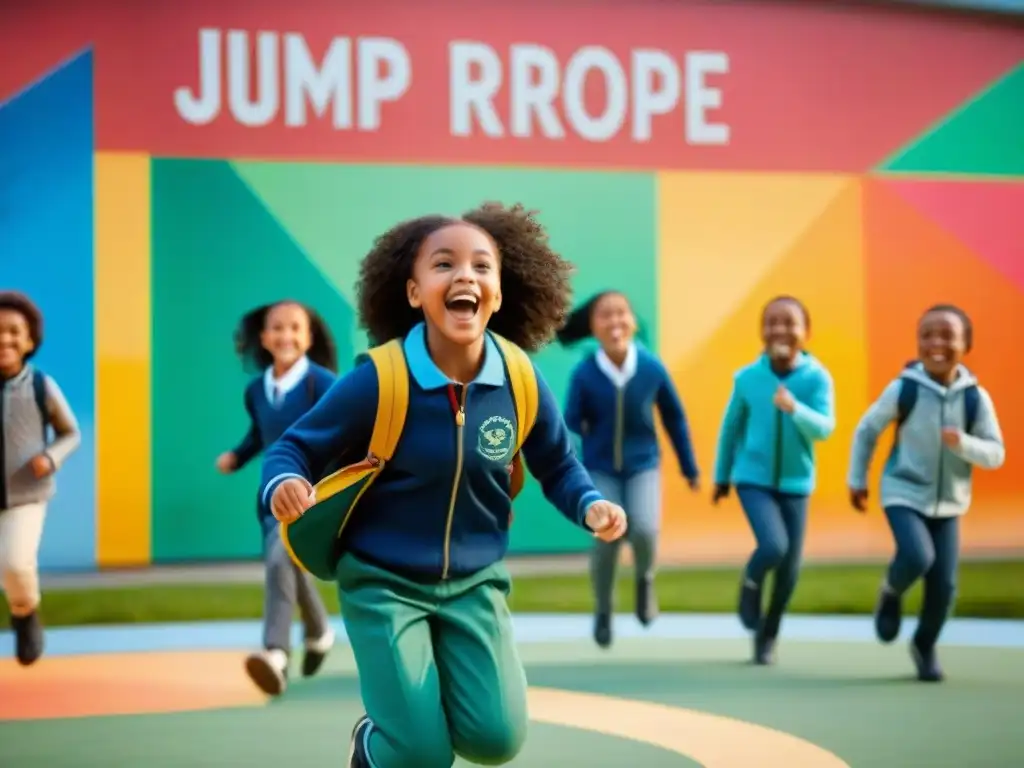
(166, 168)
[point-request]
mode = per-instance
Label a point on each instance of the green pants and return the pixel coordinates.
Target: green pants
(439, 671)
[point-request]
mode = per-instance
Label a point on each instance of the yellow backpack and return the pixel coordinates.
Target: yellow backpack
(314, 540)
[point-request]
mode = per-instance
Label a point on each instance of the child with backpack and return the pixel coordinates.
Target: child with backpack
(781, 405)
(31, 406)
(292, 348)
(945, 426)
(453, 304)
(610, 405)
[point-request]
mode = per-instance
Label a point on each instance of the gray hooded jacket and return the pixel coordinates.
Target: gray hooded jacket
(922, 472)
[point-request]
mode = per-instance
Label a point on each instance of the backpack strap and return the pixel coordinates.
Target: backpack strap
(39, 390)
(905, 401)
(392, 398)
(972, 403)
(523, 379)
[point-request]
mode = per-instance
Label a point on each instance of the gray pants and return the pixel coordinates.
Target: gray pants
(288, 585)
(640, 496)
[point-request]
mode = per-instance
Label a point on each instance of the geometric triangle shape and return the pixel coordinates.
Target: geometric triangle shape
(911, 264)
(984, 135)
(719, 235)
(988, 217)
(46, 250)
(824, 269)
(216, 254)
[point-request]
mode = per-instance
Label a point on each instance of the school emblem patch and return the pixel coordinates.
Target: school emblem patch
(496, 439)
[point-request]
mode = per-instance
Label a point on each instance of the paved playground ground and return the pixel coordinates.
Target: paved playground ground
(679, 694)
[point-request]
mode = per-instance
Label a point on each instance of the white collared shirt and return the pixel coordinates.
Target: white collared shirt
(289, 381)
(619, 376)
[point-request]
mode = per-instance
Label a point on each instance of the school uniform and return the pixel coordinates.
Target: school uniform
(769, 456)
(925, 489)
(422, 583)
(274, 405)
(31, 404)
(612, 410)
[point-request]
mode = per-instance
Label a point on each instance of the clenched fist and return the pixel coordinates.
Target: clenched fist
(606, 520)
(291, 499)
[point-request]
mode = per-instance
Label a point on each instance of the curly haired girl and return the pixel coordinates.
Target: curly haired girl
(422, 583)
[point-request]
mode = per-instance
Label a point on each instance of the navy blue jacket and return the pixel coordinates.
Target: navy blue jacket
(441, 506)
(617, 426)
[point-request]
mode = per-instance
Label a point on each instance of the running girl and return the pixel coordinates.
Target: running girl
(293, 350)
(422, 583)
(610, 405)
(945, 426)
(31, 405)
(781, 405)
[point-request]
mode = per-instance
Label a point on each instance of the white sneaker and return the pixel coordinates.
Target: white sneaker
(269, 671)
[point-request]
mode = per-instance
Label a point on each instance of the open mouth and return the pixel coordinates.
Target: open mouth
(938, 357)
(462, 306)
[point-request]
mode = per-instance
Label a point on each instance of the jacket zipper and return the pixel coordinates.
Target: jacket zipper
(457, 395)
(938, 474)
(778, 450)
(620, 395)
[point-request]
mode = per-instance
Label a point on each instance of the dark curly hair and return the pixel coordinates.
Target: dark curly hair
(14, 301)
(577, 327)
(535, 280)
(786, 299)
(953, 309)
(249, 348)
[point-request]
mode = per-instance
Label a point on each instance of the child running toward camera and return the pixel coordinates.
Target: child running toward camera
(292, 348)
(945, 426)
(421, 577)
(781, 405)
(31, 406)
(612, 397)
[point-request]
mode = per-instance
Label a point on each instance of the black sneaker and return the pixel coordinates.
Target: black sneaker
(927, 664)
(603, 630)
(28, 638)
(764, 649)
(315, 653)
(888, 615)
(357, 757)
(750, 604)
(646, 601)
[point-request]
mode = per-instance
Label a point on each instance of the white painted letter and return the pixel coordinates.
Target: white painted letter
(607, 124)
(700, 98)
(469, 96)
(375, 89)
(648, 102)
(331, 82)
(206, 108)
(528, 96)
(268, 97)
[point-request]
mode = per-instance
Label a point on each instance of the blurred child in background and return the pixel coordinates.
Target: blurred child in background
(781, 405)
(30, 406)
(945, 425)
(292, 347)
(610, 405)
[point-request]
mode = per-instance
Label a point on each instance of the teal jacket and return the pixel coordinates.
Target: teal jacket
(922, 472)
(763, 446)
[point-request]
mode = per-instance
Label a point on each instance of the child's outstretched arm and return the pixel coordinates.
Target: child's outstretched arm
(673, 417)
(816, 419)
(983, 447)
(728, 436)
(252, 443)
(550, 458)
(65, 426)
(878, 416)
(340, 422)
